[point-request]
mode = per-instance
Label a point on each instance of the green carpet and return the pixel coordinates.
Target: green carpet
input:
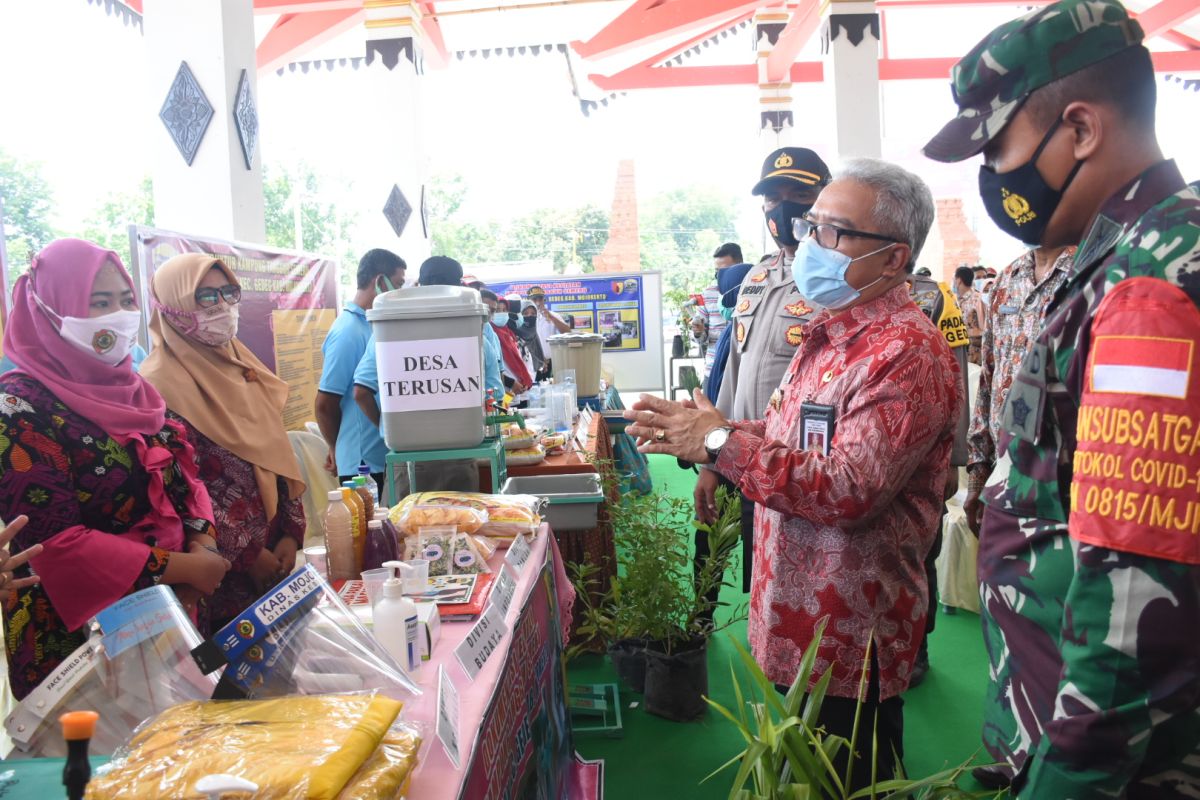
(658, 758)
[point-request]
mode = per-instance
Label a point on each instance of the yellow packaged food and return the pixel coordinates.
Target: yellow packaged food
(526, 456)
(294, 748)
(498, 515)
(434, 509)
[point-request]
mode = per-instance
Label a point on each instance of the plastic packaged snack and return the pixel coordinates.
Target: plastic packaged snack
(136, 663)
(427, 509)
(510, 515)
(300, 638)
(525, 457)
(515, 437)
(466, 559)
(436, 545)
(486, 545)
(554, 443)
(324, 747)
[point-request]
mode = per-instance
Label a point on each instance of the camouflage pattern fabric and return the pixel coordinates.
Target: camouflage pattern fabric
(1125, 717)
(993, 80)
(1023, 565)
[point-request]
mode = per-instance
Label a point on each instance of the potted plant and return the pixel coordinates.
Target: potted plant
(655, 612)
(788, 755)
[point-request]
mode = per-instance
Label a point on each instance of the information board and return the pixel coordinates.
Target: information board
(624, 307)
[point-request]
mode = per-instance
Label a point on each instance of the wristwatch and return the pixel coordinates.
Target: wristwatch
(714, 440)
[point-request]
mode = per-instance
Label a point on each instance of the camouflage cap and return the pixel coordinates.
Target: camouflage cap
(992, 81)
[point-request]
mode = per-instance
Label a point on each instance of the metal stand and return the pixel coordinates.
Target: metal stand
(491, 449)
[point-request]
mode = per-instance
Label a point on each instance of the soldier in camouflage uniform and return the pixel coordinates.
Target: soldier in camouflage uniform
(1102, 425)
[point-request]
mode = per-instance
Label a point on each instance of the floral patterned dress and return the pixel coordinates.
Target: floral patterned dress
(242, 527)
(62, 470)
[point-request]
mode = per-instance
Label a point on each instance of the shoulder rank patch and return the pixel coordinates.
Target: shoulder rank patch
(742, 306)
(798, 309)
(795, 335)
(758, 277)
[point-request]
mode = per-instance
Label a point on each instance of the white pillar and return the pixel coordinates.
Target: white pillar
(776, 124)
(392, 128)
(217, 195)
(850, 43)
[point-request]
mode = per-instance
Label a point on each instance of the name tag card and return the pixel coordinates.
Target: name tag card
(503, 591)
(447, 715)
(518, 552)
(485, 636)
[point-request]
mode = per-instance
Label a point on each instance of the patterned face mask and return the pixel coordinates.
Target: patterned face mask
(211, 326)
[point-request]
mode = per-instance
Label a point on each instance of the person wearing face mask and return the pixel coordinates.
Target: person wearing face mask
(231, 405)
(525, 327)
(354, 439)
(517, 377)
(849, 466)
(87, 453)
(971, 304)
(708, 327)
(1104, 654)
(767, 317)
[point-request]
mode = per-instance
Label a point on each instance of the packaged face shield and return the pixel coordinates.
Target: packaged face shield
(136, 663)
(300, 638)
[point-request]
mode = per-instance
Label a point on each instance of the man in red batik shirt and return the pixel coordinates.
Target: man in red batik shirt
(849, 465)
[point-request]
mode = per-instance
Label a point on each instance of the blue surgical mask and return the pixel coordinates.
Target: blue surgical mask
(727, 313)
(500, 318)
(820, 274)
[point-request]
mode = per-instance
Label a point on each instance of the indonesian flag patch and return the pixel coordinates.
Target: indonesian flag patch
(1145, 365)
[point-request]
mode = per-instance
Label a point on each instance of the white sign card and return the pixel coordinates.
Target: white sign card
(505, 588)
(484, 637)
(430, 374)
(447, 715)
(518, 552)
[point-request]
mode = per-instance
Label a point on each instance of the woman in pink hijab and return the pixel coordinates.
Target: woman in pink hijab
(86, 453)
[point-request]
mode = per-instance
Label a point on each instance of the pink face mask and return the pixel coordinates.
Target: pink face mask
(211, 326)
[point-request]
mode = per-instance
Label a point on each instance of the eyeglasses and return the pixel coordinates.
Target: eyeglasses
(829, 236)
(208, 296)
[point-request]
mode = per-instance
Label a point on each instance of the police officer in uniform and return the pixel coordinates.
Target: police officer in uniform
(937, 302)
(1100, 452)
(768, 316)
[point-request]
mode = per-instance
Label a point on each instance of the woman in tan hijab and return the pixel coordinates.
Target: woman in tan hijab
(232, 406)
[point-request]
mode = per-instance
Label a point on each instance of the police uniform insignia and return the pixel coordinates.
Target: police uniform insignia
(795, 335)
(1020, 411)
(1017, 207)
(758, 277)
(741, 333)
(776, 399)
(784, 161)
(743, 306)
(797, 310)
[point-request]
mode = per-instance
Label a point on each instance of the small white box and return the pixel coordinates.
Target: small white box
(431, 627)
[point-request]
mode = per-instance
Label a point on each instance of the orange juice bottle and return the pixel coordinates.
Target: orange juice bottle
(355, 503)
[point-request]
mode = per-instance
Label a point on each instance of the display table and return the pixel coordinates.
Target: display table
(514, 723)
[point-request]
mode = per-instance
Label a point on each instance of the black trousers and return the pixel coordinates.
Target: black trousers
(837, 717)
(747, 545)
(931, 576)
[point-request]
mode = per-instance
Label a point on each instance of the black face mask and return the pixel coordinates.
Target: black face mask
(528, 322)
(1020, 201)
(779, 221)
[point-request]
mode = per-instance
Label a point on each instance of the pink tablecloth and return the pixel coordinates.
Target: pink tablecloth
(437, 777)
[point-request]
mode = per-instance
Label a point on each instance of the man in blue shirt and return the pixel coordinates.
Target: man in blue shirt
(352, 438)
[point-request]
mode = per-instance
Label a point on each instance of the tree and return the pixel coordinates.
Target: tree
(26, 199)
(108, 225)
(300, 198)
(680, 229)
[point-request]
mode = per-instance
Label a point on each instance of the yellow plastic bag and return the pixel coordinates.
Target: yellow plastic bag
(294, 748)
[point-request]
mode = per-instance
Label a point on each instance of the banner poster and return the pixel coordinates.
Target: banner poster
(289, 303)
(611, 307)
(523, 749)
